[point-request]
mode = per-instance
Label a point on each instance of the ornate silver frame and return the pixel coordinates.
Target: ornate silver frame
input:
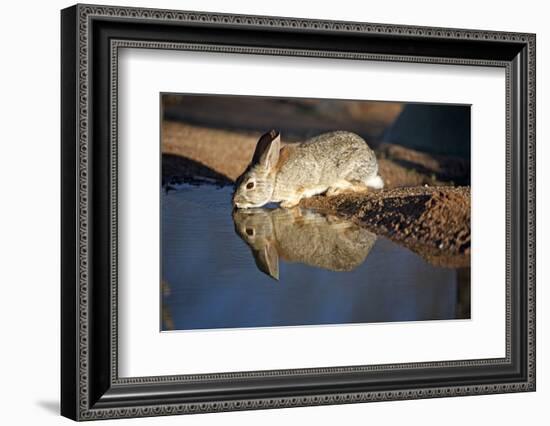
(91, 388)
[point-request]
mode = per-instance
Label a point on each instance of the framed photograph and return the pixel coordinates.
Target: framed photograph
(263, 212)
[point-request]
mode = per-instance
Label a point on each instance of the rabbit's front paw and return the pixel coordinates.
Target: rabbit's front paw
(335, 191)
(290, 203)
(339, 187)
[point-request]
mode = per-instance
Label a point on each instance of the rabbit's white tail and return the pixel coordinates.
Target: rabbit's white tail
(375, 182)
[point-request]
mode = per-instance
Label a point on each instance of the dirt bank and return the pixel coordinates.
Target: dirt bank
(431, 221)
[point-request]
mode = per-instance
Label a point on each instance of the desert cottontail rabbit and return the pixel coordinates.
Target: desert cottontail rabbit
(331, 162)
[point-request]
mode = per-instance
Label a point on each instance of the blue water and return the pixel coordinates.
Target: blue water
(211, 279)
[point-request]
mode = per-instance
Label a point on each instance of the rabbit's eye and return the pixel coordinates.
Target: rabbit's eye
(250, 232)
(250, 185)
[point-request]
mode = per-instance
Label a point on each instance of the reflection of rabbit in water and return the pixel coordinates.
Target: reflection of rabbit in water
(302, 236)
(331, 162)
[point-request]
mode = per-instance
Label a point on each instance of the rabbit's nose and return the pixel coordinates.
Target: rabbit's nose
(237, 202)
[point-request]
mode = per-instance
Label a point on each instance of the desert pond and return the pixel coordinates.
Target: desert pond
(277, 267)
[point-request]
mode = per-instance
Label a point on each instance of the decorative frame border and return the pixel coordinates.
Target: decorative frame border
(85, 14)
(116, 45)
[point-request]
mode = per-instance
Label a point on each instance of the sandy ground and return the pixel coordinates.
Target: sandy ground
(222, 155)
(420, 206)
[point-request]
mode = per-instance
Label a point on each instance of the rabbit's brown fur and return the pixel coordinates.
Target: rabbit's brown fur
(331, 162)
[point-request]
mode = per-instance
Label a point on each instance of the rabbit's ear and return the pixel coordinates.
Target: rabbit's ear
(267, 150)
(267, 260)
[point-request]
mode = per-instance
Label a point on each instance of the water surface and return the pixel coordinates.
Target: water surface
(275, 267)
